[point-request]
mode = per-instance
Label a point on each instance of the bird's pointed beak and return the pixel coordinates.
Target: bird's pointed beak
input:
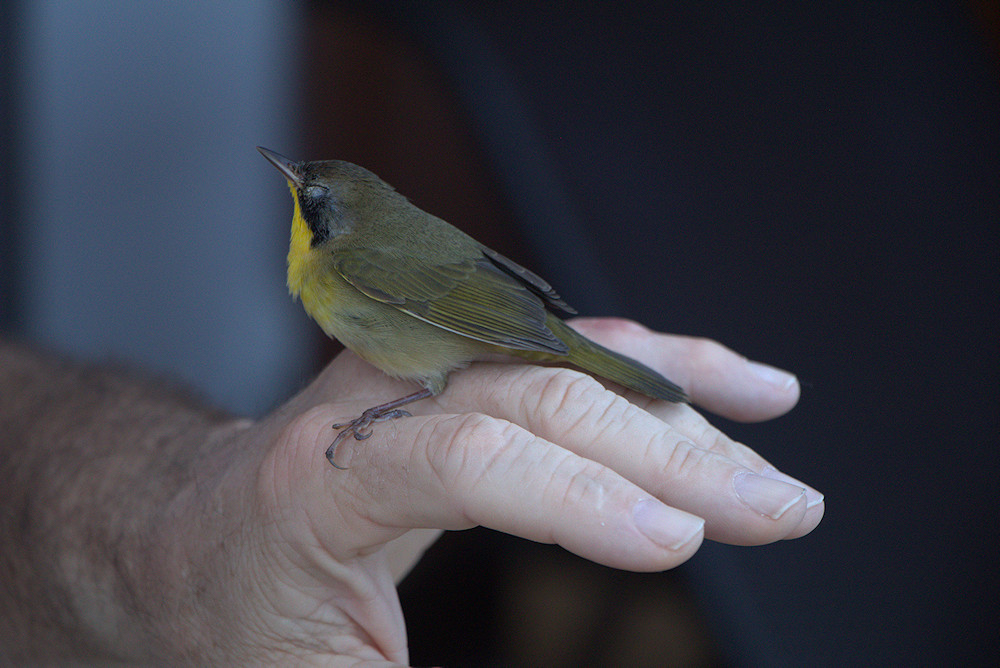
(287, 167)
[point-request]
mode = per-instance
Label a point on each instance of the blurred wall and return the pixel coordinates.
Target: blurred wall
(147, 228)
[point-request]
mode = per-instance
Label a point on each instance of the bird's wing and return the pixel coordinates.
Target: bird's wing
(473, 297)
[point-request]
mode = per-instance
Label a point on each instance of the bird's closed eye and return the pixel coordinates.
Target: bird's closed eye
(315, 192)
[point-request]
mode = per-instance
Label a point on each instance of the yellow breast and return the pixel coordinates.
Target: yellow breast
(397, 343)
(324, 293)
(298, 250)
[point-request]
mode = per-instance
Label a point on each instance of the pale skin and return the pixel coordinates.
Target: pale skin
(143, 528)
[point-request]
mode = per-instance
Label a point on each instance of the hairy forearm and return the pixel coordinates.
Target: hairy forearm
(93, 462)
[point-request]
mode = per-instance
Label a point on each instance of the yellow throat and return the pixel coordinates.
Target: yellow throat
(298, 248)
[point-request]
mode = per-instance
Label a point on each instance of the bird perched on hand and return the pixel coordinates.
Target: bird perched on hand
(417, 297)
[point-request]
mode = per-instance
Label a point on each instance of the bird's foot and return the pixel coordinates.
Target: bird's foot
(360, 428)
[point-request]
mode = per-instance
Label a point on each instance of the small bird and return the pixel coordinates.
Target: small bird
(418, 298)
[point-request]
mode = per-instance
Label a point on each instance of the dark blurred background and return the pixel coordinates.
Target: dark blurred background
(812, 184)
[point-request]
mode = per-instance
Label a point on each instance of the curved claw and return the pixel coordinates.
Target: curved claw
(331, 451)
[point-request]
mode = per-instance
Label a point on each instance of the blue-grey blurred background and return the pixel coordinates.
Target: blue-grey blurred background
(139, 221)
(816, 185)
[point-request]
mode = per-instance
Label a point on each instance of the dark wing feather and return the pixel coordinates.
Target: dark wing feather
(472, 297)
(532, 280)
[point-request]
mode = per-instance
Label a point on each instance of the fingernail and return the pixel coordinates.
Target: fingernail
(666, 527)
(766, 496)
(772, 375)
(813, 497)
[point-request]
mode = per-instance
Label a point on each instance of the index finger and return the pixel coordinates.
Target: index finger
(683, 468)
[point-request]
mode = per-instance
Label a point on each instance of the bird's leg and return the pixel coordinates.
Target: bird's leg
(360, 426)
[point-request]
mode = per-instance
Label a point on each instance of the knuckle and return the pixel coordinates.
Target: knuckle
(565, 390)
(583, 486)
(721, 444)
(469, 445)
(477, 430)
(708, 354)
(685, 460)
(703, 349)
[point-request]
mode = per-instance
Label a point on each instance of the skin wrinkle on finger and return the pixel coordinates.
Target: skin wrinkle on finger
(595, 494)
(511, 489)
(488, 450)
(478, 446)
(566, 400)
(589, 436)
(583, 488)
(392, 460)
(721, 444)
(506, 450)
(565, 494)
(684, 460)
(586, 427)
(728, 517)
(703, 431)
(679, 467)
(692, 425)
(461, 453)
(549, 468)
(567, 390)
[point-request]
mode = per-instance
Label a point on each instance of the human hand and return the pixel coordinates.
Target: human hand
(295, 560)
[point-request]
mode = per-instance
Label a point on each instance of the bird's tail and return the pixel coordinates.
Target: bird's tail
(618, 368)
